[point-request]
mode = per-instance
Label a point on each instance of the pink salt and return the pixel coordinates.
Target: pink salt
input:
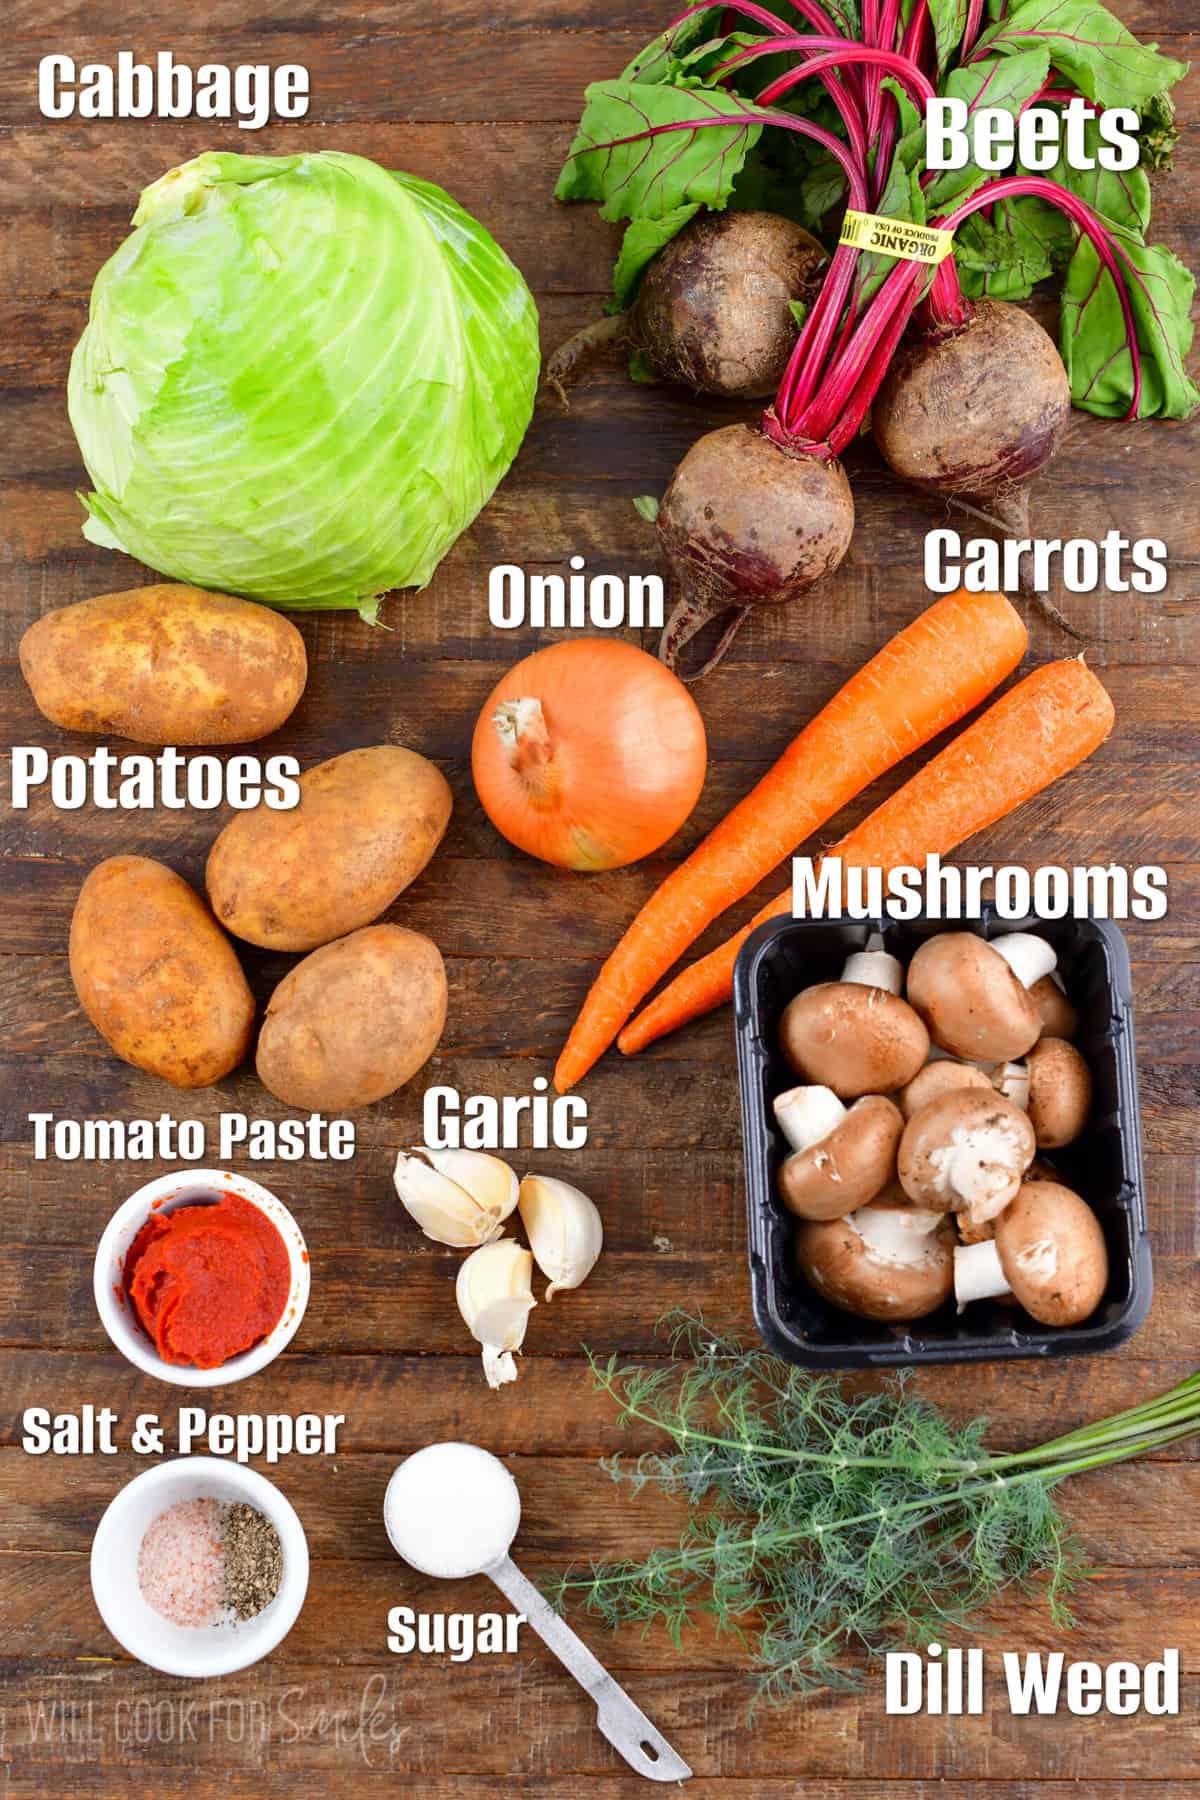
(180, 1568)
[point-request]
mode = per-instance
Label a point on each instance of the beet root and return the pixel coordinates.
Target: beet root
(714, 308)
(748, 522)
(976, 410)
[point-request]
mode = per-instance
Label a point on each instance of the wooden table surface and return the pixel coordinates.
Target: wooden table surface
(482, 99)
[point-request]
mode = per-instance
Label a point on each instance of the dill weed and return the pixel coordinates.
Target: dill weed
(826, 1523)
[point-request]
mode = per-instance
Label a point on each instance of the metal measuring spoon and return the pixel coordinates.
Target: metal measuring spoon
(444, 1555)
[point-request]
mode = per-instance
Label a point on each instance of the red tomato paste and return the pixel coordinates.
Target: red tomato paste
(208, 1281)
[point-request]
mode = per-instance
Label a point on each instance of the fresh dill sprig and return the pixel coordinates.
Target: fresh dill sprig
(824, 1522)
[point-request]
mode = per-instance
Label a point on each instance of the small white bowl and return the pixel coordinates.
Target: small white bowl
(200, 1650)
(118, 1316)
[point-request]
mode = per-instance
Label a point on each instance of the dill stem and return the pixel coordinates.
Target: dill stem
(929, 1504)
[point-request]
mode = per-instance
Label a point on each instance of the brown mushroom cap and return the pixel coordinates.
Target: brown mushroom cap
(1060, 1092)
(942, 1076)
(1059, 1017)
(1052, 1250)
(856, 1040)
(970, 1000)
(847, 1168)
(839, 1263)
(966, 1153)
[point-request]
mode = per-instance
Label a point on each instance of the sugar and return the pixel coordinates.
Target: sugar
(452, 1509)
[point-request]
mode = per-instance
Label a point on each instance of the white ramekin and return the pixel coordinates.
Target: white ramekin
(195, 1651)
(118, 1317)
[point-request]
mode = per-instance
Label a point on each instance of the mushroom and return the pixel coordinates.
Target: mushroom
(873, 966)
(856, 1040)
(831, 1175)
(939, 1076)
(1048, 1252)
(970, 999)
(1060, 1092)
(966, 1153)
(883, 1262)
(1012, 1080)
(1059, 1017)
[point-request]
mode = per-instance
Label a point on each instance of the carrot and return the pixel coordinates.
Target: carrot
(928, 676)
(1045, 726)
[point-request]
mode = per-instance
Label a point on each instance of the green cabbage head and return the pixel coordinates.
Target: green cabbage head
(301, 378)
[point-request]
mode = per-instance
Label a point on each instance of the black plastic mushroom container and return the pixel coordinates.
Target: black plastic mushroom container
(1104, 1165)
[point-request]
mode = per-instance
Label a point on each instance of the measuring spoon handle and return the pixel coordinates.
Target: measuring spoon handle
(624, 1725)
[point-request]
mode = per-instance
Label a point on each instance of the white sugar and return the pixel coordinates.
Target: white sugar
(452, 1510)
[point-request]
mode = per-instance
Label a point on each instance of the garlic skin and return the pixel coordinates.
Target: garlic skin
(495, 1297)
(564, 1228)
(457, 1197)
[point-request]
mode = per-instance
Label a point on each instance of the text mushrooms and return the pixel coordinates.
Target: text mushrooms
(849, 1163)
(1060, 1092)
(1048, 1252)
(966, 1153)
(883, 1262)
(973, 996)
(939, 1077)
(854, 1039)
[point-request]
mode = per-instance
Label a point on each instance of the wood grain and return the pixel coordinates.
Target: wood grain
(484, 99)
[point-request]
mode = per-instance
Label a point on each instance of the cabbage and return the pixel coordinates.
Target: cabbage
(301, 378)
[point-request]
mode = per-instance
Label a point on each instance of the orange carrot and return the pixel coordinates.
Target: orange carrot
(1045, 726)
(926, 678)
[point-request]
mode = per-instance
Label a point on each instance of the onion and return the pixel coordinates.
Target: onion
(589, 754)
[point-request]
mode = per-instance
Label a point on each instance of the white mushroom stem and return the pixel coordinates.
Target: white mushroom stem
(896, 1235)
(1012, 1080)
(807, 1115)
(978, 1273)
(872, 966)
(1028, 957)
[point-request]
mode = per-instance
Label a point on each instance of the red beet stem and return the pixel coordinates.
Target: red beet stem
(844, 53)
(816, 15)
(1108, 248)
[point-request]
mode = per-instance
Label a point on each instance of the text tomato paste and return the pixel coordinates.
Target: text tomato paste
(207, 1281)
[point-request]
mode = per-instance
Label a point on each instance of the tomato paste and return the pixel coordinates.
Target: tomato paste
(207, 1281)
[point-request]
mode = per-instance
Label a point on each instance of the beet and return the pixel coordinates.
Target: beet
(975, 410)
(747, 522)
(713, 310)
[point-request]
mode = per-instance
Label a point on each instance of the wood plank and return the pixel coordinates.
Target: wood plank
(367, 1300)
(396, 1403)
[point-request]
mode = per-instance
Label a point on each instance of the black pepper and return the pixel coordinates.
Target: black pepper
(253, 1558)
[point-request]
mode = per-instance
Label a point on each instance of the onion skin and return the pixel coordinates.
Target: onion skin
(589, 754)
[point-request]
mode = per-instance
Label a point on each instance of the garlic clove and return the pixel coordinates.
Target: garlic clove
(495, 1297)
(457, 1197)
(564, 1228)
(488, 1179)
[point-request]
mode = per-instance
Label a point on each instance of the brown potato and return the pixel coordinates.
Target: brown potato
(155, 974)
(353, 1021)
(167, 664)
(366, 825)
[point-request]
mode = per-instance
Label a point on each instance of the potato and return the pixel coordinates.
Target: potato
(156, 975)
(166, 665)
(366, 825)
(353, 1021)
